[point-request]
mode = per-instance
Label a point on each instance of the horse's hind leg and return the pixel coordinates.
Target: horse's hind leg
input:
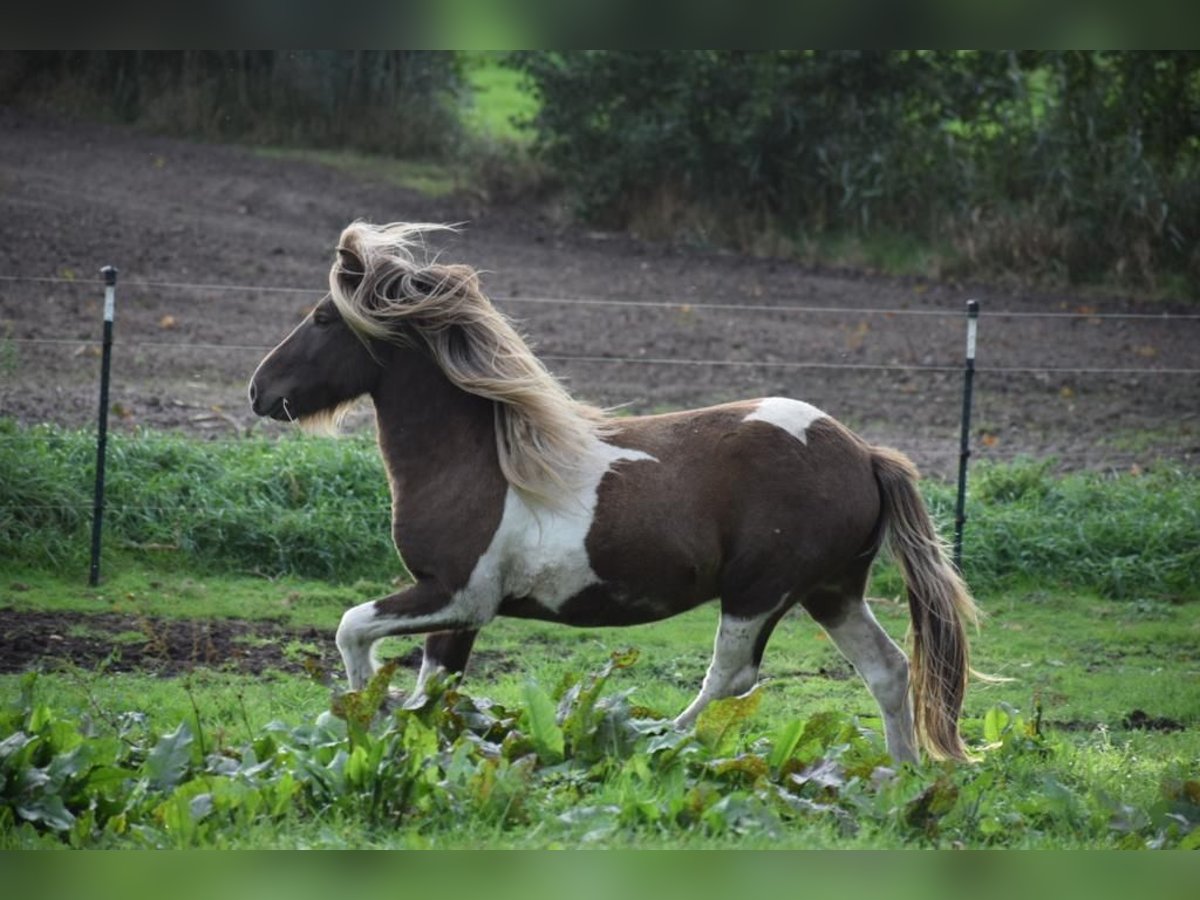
(445, 651)
(737, 654)
(883, 666)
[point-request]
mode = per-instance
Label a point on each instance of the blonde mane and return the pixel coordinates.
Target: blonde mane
(385, 292)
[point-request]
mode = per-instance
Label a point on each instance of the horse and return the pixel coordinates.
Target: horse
(512, 498)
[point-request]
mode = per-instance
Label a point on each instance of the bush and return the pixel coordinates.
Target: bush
(1067, 165)
(397, 102)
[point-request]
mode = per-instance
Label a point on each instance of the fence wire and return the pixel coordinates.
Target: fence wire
(677, 305)
(676, 361)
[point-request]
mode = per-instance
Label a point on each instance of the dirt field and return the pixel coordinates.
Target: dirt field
(168, 213)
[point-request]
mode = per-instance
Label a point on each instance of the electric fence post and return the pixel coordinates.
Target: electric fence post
(110, 297)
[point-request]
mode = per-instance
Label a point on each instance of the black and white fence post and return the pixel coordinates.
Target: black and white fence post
(110, 298)
(960, 515)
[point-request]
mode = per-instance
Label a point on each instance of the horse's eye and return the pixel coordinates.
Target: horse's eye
(323, 317)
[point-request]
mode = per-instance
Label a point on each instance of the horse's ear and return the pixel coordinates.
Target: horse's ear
(348, 269)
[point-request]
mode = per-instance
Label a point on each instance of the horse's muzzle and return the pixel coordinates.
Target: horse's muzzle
(265, 406)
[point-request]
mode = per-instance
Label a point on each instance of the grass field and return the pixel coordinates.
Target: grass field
(1085, 776)
(501, 99)
(1092, 614)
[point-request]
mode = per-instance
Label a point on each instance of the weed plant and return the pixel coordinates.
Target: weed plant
(582, 765)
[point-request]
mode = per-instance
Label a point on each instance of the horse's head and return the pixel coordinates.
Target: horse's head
(318, 368)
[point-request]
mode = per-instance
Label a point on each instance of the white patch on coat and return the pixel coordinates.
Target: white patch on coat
(793, 416)
(539, 552)
(536, 552)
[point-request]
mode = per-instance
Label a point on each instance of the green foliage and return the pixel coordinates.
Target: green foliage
(501, 100)
(461, 762)
(1065, 165)
(1124, 536)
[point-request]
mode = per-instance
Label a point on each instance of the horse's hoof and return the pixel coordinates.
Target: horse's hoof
(416, 701)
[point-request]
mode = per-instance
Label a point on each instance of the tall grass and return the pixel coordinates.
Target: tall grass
(1125, 536)
(318, 507)
(300, 506)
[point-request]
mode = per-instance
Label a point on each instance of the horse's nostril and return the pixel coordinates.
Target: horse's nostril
(253, 392)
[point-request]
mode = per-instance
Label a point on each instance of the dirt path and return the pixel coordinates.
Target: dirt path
(76, 196)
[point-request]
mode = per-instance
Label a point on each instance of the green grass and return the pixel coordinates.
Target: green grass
(1086, 661)
(1088, 582)
(500, 99)
(310, 507)
(1081, 778)
(131, 588)
(1150, 440)
(1080, 666)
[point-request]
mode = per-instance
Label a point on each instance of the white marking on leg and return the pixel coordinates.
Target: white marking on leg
(418, 697)
(884, 667)
(733, 670)
(793, 416)
(356, 645)
(364, 625)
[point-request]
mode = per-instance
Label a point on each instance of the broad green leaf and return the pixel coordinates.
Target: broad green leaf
(747, 766)
(102, 777)
(49, 810)
(71, 764)
(785, 743)
(357, 770)
(995, 721)
(827, 774)
(13, 744)
(168, 761)
(822, 729)
(359, 708)
(420, 742)
(623, 659)
(719, 721)
(925, 810)
(544, 731)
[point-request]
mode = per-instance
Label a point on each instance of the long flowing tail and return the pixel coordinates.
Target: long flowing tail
(939, 603)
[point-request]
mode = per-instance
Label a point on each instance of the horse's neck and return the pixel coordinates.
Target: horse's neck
(427, 425)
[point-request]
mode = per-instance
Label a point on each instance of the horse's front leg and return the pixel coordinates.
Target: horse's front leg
(445, 651)
(424, 607)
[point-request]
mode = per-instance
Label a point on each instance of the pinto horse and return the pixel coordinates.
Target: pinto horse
(511, 498)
